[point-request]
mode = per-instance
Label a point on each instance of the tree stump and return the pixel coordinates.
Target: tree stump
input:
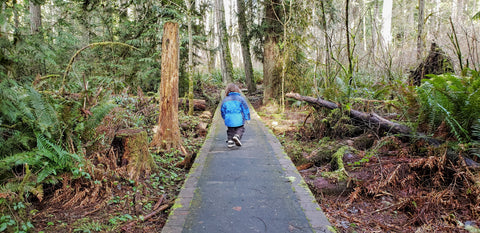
(136, 158)
(437, 62)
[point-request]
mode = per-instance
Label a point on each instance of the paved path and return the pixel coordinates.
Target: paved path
(253, 188)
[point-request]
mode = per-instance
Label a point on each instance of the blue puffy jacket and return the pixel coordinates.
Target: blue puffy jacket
(235, 110)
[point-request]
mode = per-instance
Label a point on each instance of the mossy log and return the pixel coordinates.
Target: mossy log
(136, 157)
(370, 119)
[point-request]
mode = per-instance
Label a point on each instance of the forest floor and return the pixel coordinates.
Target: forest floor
(367, 182)
(108, 199)
(377, 183)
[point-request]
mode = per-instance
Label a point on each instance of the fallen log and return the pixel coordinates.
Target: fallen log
(371, 119)
(198, 104)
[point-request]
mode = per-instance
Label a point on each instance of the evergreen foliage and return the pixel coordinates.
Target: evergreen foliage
(452, 99)
(23, 114)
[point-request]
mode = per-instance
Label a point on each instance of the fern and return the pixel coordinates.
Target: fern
(54, 159)
(452, 99)
(23, 112)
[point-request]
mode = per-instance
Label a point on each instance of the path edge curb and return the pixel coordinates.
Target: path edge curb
(179, 211)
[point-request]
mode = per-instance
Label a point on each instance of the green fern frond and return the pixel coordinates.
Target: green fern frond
(476, 16)
(452, 99)
(98, 113)
(54, 159)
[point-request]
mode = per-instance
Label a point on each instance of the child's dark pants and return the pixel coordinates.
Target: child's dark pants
(231, 131)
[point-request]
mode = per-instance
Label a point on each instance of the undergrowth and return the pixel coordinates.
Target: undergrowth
(453, 100)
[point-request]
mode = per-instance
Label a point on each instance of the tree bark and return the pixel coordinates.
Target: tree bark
(225, 57)
(387, 22)
(370, 119)
(190, 58)
(35, 17)
(328, 46)
(271, 68)
(349, 48)
(245, 43)
(136, 156)
(168, 134)
(421, 10)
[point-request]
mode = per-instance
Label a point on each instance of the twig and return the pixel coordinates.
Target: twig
(157, 208)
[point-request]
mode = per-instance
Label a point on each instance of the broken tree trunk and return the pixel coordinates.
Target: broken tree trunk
(437, 62)
(168, 134)
(136, 157)
(371, 119)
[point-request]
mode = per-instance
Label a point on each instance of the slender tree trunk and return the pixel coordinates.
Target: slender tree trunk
(225, 57)
(349, 49)
(245, 43)
(271, 69)
(387, 22)
(190, 58)
(420, 46)
(328, 46)
(35, 17)
(211, 50)
(364, 25)
(375, 40)
(168, 133)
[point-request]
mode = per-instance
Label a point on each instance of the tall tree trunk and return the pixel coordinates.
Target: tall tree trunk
(364, 25)
(245, 43)
(349, 48)
(211, 48)
(190, 58)
(225, 57)
(168, 133)
(421, 10)
(328, 46)
(271, 69)
(35, 17)
(287, 16)
(387, 22)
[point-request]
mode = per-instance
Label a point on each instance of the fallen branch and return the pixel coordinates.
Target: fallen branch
(371, 119)
(158, 209)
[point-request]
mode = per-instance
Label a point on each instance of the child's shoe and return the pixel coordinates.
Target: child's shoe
(237, 141)
(230, 144)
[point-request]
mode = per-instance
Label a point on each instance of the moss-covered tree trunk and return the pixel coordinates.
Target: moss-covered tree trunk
(168, 134)
(190, 58)
(245, 43)
(35, 17)
(136, 156)
(271, 68)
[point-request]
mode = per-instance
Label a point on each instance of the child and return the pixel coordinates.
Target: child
(234, 112)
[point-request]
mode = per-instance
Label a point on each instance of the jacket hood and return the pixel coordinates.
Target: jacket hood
(233, 93)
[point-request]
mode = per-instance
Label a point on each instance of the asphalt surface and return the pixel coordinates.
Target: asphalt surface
(252, 188)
